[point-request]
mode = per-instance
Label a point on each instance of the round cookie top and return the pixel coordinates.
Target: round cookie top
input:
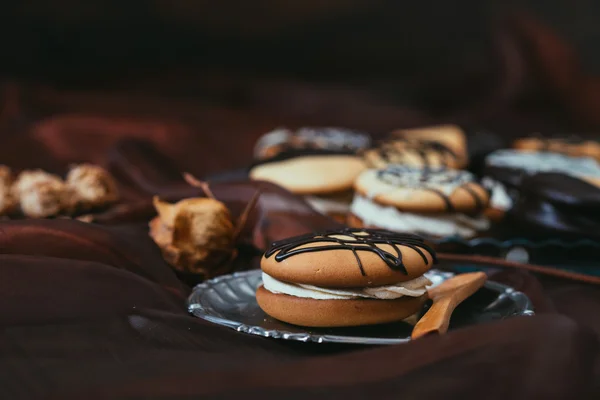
(435, 189)
(416, 153)
(326, 139)
(317, 174)
(423, 147)
(534, 162)
(349, 257)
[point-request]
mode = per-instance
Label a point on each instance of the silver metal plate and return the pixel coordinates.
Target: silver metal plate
(230, 301)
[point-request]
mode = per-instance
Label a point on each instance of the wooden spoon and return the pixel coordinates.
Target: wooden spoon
(446, 296)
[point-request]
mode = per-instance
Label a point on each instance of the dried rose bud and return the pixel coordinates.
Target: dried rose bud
(91, 186)
(40, 194)
(195, 235)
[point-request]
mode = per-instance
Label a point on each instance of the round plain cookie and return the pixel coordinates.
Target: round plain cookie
(349, 258)
(568, 146)
(593, 181)
(432, 190)
(336, 313)
(311, 174)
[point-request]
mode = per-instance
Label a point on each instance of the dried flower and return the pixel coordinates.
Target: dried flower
(39, 193)
(91, 187)
(195, 235)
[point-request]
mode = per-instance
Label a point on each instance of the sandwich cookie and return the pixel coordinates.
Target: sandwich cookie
(319, 163)
(558, 205)
(424, 147)
(506, 169)
(346, 277)
(437, 202)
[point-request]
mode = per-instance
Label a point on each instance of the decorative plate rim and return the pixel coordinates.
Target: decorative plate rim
(525, 305)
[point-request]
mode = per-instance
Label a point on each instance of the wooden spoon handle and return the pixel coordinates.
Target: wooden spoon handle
(445, 298)
(435, 320)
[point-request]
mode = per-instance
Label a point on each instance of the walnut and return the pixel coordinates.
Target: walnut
(40, 194)
(8, 202)
(91, 187)
(195, 235)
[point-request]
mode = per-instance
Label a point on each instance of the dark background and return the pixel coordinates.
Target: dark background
(446, 58)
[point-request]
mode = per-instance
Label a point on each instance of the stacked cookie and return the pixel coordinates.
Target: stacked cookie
(320, 164)
(347, 277)
(433, 201)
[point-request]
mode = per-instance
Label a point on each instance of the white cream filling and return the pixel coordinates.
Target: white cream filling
(413, 288)
(388, 217)
(326, 205)
(500, 199)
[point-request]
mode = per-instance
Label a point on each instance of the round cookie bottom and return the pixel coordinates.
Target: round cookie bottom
(336, 313)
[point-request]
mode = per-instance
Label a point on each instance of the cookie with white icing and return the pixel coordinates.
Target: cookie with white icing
(433, 201)
(423, 190)
(436, 146)
(346, 277)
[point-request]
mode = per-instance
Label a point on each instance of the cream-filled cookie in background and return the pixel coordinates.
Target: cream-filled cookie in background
(436, 202)
(505, 169)
(318, 163)
(347, 277)
(435, 146)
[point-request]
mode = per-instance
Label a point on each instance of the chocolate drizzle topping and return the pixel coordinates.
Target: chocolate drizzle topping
(430, 179)
(308, 141)
(479, 204)
(396, 150)
(355, 240)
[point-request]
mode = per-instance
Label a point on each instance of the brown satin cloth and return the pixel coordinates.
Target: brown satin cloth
(92, 311)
